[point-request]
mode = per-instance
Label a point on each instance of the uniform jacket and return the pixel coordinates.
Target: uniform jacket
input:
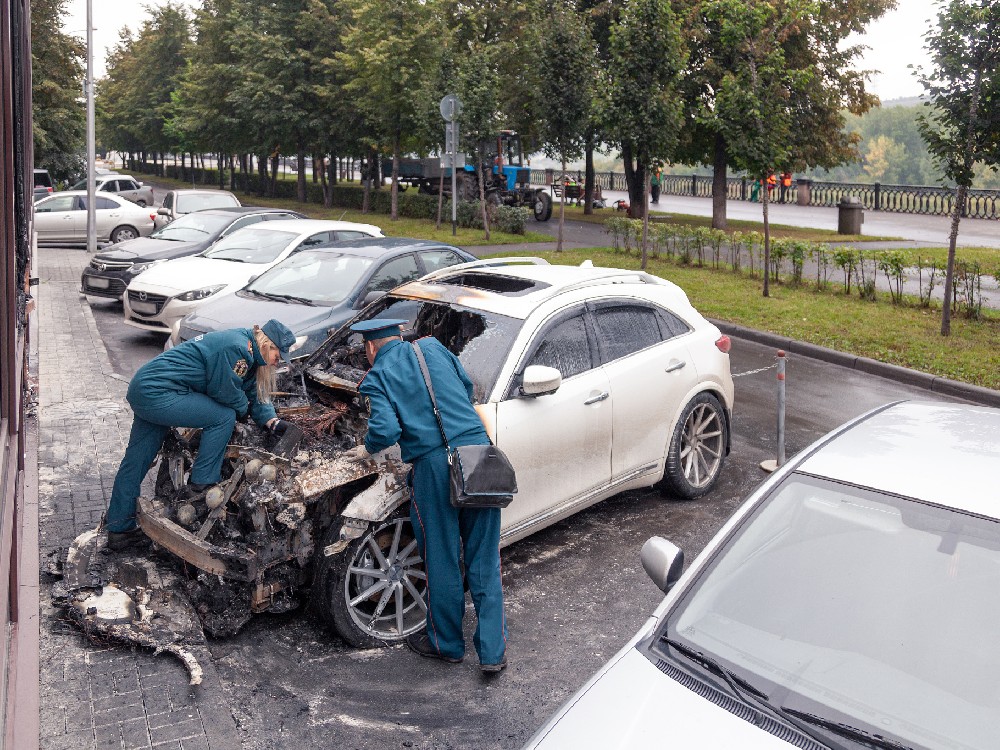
(400, 405)
(222, 365)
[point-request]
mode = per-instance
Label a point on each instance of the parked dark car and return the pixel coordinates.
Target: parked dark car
(318, 289)
(110, 272)
(43, 184)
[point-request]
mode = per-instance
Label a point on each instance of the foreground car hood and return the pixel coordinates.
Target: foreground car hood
(632, 704)
(146, 248)
(236, 310)
(194, 273)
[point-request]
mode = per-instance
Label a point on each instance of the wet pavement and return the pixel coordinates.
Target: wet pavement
(575, 592)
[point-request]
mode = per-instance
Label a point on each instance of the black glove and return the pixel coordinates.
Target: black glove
(278, 427)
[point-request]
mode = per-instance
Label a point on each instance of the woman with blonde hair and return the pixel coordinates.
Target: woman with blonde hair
(207, 382)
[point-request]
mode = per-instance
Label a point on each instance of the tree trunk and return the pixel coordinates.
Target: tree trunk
(221, 170)
(635, 177)
(645, 226)
(300, 182)
(588, 189)
(274, 175)
(562, 206)
(719, 184)
(949, 276)
(394, 187)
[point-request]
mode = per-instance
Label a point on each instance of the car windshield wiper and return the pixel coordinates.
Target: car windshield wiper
(290, 298)
(740, 687)
(846, 730)
(715, 668)
(219, 257)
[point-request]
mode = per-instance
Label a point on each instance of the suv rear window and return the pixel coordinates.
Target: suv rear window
(42, 178)
(188, 203)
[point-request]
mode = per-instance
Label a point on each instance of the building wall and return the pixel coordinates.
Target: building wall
(18, 455)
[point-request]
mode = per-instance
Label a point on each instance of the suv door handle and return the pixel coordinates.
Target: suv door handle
(595, 399)
(675, 366)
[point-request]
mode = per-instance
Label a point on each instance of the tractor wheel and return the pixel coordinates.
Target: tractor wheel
(543, 206)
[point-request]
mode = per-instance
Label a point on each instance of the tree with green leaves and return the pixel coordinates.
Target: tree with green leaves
(643, 112)
(390, 50)
(754, 101)
(816, 45)
(566, 57)
(58, 119)
(962, 122)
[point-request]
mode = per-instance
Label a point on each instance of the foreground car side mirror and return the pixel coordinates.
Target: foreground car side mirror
(369, 298)
(662, 561)
(540, 380)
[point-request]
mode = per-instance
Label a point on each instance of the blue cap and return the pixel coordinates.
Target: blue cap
(378, 328)
(280, 336)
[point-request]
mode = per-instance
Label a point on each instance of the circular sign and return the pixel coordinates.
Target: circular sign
(451, 107)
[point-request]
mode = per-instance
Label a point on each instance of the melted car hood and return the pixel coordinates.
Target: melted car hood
(147, 248)
(633, 704)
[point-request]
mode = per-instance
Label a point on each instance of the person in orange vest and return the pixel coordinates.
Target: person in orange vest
(772, 182)
(786, 184)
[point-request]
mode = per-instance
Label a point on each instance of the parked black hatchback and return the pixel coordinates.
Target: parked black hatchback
(110, 272)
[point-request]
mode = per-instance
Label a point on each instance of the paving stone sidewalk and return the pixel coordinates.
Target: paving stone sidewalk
(96, 696)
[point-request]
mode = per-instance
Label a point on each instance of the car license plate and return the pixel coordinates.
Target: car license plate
(145, 308)
(97, 283)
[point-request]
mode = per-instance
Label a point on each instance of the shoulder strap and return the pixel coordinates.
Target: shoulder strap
(430, 389)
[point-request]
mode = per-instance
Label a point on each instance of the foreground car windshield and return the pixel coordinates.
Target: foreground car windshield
(192, 228)
(480, 340)
(868, 610)
(322, 277)
(251, 245)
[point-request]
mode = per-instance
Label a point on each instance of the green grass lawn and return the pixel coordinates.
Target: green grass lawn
(904, 335)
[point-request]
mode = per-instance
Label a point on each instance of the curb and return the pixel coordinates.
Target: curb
(934, 383)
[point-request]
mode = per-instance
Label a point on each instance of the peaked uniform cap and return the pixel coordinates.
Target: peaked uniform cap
(280, 336)
(379, 328)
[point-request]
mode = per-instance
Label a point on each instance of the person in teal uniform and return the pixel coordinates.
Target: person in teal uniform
(401, 412)
(207, 382)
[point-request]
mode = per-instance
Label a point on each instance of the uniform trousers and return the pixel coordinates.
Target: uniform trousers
(443, 533)
(152, 418)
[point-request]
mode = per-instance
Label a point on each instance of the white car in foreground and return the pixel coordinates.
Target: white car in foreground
(851, 602)
(158, 298)
(62, 218)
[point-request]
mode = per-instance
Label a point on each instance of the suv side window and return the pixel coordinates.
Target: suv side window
(671, 325)
(348, 234)
(103, 204)
(394, 273)
(275, 217)
(168, 200)
(60, 203)
(111, 186)
(127, 185)
(564, 345)
(624, 328)
(317, 239)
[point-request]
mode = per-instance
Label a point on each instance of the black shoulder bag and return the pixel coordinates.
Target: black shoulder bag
(480, 475)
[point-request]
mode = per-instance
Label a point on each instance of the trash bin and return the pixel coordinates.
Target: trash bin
(803, 192)
(850, 215)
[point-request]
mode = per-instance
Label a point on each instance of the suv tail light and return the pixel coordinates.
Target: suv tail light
(723, 344)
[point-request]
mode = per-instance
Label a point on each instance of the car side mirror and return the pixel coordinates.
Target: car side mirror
(540, 380)
(371, 297)
(163, 212)
(662, 561)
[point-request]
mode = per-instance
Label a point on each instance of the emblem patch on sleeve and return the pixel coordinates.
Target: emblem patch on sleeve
(241, 368)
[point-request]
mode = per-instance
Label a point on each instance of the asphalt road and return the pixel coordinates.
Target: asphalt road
(575, 592)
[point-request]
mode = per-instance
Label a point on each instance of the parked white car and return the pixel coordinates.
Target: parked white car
(158, 298)
(122, 185)
(851, 602)
(62, 218)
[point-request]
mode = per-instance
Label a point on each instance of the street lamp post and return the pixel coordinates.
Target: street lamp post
(91, 138)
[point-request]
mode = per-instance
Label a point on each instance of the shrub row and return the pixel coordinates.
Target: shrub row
(743, 252)
(410, 205)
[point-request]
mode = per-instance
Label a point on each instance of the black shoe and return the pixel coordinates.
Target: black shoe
(419, 643)
(500, 666)
(119, 540)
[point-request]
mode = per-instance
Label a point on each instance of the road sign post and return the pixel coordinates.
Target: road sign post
(451, 108)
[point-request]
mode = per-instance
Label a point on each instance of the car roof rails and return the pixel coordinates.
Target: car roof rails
(514, 260)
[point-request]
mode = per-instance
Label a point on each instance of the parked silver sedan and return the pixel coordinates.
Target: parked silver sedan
(62, 218)
(851, 602)
(123, 185)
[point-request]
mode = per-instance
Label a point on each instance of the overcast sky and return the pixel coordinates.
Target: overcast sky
(896, 40)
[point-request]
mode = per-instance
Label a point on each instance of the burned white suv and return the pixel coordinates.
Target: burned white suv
(592, 380)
